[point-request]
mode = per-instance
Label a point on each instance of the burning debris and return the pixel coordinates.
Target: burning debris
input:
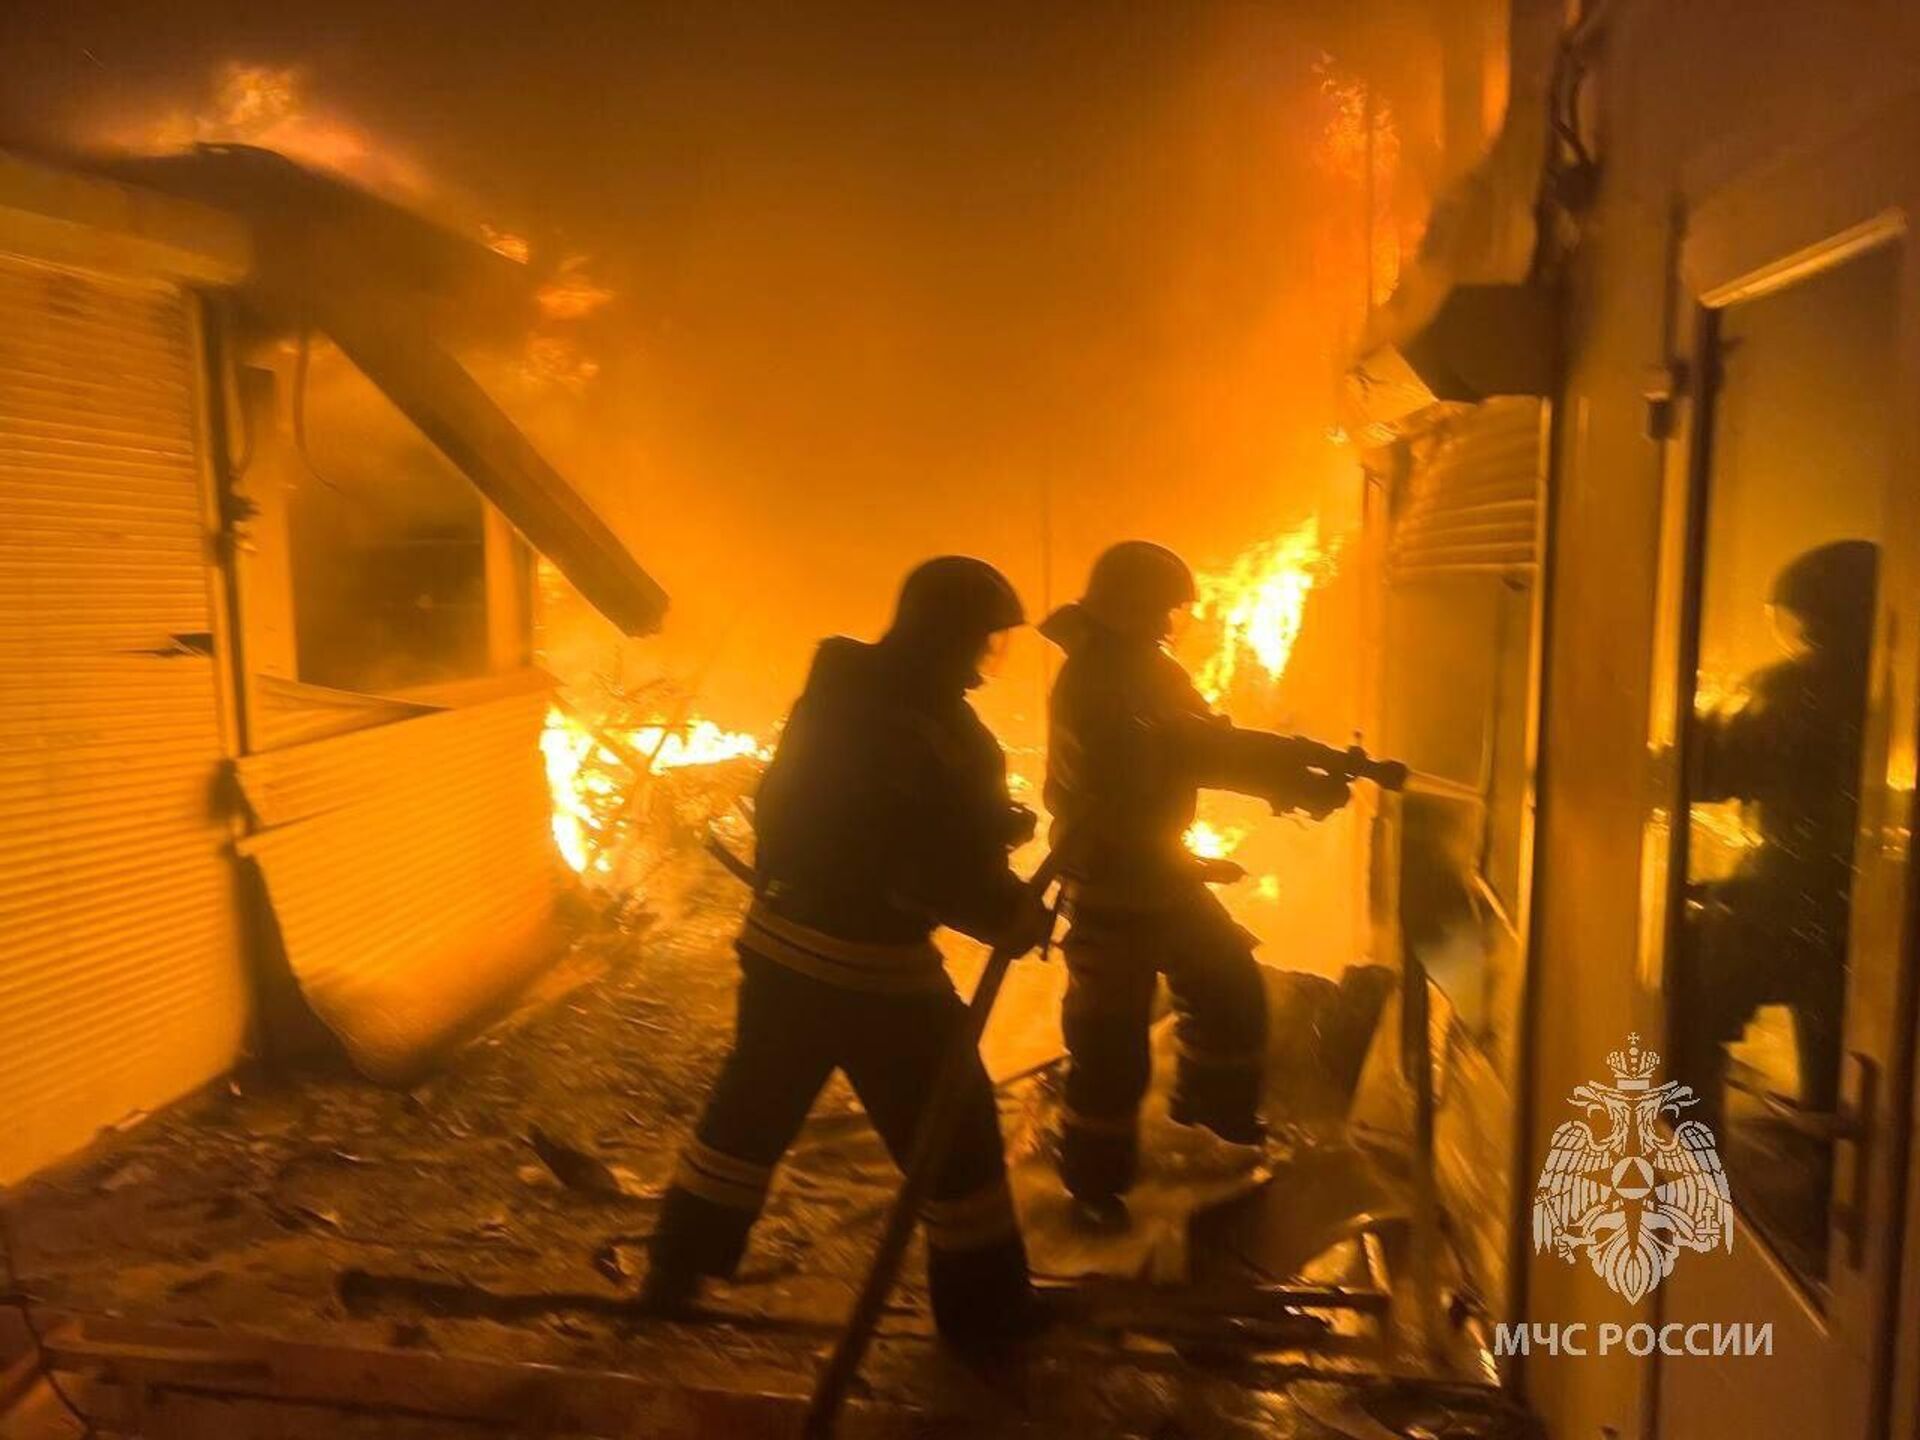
(627, 791)
(618, 804)
(390, 681)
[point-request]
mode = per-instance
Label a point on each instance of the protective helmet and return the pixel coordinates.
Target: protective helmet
(1135, 586)
(947, 610)
(1830, 591)
(956, 594)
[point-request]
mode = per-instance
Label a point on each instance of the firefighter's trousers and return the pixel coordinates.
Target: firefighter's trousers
(793, 1032)
(1114, 958)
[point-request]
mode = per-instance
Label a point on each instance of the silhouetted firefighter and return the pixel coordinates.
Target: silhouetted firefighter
(1775, 931)
(884, 814)
(1131, 741)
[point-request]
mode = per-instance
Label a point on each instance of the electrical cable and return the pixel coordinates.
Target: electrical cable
(300, 366)
(17, 1296)
(236, 406)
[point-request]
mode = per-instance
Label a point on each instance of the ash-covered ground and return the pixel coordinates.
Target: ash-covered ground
(266, 1200)
(499, 1209)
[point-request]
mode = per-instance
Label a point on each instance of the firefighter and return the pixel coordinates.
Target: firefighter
(883, 815)
(1774, 931)
(1130, 743)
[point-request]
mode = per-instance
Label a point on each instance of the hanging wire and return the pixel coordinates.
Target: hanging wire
(236, 406)
(301, 364)
(16, 1295)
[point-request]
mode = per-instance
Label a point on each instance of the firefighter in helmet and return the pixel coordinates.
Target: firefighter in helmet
(1775, 930)
(1130, 743)
(883, 815)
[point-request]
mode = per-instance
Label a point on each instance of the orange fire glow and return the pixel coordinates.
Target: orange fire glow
(271, 107)
(592, 774)
(1360, 145)
(268, 106)
(505, 242)
(572, 293)
(1213, 842)
(1724, 829)
(554, 355)
(1257, 605)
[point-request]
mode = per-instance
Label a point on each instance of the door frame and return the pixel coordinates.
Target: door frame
(1784, 223)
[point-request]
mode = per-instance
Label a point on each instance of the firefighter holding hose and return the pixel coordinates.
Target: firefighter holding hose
(1130, 743)
(883, 815)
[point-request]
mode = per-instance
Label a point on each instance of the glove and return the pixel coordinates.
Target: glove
(1316, 794)
(1021, 823)
(1029, 926)
(1222, 872)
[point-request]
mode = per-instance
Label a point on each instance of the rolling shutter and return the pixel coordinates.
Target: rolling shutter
(1471, 505)
(121, 982)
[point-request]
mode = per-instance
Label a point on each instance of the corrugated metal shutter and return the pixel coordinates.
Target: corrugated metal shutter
(412, 871)
(121, 981)
(1472, 500)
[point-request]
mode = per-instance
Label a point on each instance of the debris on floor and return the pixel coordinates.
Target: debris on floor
(498, 1211)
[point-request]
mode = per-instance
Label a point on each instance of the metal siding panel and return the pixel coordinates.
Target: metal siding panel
(287, 713)
(412, 872)
(121, 983)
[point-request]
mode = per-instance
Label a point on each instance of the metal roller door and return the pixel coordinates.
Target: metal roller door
(121, 979)
(1472, 500)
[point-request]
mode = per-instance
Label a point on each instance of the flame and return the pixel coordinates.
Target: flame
(1718, 693)
(591, 775)
(572, 293)
(1212, 842)
(268, 106)
(1343, 143)
(1725, 824)
(256, 97)
(550, 361)
(1359, 144)
(505, 242)
(1258, 605)
(576, 786)
(554, 356)
(701, 743)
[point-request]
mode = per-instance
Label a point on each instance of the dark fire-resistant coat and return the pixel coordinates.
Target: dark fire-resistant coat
(883, 815)
(885, 812)
(1130, 744)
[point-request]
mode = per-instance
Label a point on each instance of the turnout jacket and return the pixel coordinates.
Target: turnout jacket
(883, 815)
(1130, 744)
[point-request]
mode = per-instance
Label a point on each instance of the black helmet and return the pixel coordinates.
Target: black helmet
(1829, 589)
(948, 608)
(1135, 585)
(956, 595)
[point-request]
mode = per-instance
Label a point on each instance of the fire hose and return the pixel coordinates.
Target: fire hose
(929, 1143)
(937, 1121)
